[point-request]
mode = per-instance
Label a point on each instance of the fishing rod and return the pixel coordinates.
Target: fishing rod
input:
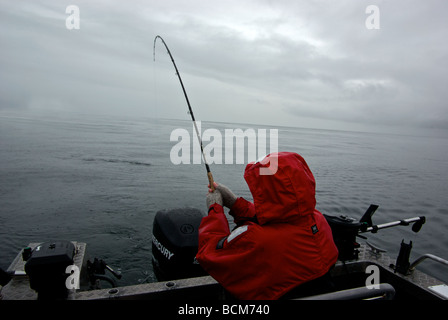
(190, 111)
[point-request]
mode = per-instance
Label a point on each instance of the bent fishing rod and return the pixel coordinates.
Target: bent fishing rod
(190, 111)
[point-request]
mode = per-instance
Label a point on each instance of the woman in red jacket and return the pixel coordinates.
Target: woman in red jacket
(280, 241)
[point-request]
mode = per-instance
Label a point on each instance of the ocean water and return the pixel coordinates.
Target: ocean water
(101, 180)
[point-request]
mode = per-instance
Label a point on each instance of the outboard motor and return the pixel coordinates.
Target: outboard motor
(175, 244)
(46, 267)
(345, 230)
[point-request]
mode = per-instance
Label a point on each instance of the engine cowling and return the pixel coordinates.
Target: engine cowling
(175, 244)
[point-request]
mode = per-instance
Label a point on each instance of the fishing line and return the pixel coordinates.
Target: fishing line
(156, 93)
(190, 111)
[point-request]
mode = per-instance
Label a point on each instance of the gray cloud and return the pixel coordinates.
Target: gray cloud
(281, 63)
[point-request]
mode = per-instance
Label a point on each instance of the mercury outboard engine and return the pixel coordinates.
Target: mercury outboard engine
(175, 244)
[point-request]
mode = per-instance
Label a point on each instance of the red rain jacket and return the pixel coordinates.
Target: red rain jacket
(288, 243)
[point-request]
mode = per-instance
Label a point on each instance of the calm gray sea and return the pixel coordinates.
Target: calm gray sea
(101, 181)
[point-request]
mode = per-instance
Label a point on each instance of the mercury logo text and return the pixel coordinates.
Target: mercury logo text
(167, 253)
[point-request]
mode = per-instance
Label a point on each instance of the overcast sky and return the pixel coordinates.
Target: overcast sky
(285, 63)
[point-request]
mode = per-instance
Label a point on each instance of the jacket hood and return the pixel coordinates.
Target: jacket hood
(282, 186)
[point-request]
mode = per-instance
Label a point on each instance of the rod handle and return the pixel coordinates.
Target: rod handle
(210, 180)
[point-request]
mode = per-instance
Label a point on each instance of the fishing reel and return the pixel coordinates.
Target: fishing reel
(346, 229)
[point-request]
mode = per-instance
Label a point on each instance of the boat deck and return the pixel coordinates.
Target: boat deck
(345, 275)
